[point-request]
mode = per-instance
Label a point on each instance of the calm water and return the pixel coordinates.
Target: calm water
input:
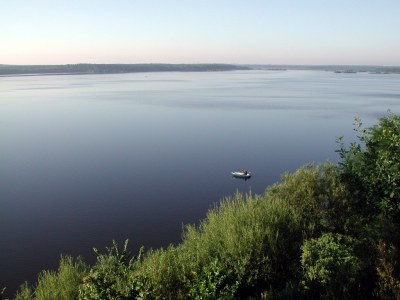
(90, 158)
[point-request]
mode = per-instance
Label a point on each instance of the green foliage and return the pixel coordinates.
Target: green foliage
(317, 195)
(330, 267)
(160, 275)
(371, 168)
(228, 248)
(110, 277)
(208, 283)
(383, 162)
(25, 292)
(62, 284)
(246, 245)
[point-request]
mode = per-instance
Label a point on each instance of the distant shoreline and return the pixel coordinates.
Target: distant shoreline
(36, 70)
(82, 69)
(41, 74)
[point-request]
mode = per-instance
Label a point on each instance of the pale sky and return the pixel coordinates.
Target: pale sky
(201, 31)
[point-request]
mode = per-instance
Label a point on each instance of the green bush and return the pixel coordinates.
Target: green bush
(111, 277)
(25, 292)
(317, 195)
(63, 284)
(330, 267)
(246, 245)
(228, 248)
(371, 167)
(161, 275)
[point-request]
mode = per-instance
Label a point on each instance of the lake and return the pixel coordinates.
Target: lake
(86, 159)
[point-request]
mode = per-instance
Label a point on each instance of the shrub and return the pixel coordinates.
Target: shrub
(111, 277)
(330, 267)
(160, 275)
(62, 284)
(227, 248)
(371, 168)
(317, 195)
(244, 246)
(25, 292)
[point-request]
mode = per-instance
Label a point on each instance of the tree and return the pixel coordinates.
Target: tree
(371, 168)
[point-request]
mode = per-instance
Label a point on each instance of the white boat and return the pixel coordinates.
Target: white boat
(241, 174)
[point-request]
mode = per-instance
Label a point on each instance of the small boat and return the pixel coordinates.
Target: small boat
(241, 174)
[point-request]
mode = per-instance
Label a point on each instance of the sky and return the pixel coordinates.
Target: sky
(361, 32)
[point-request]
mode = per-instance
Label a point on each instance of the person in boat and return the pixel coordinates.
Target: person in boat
(245, 172)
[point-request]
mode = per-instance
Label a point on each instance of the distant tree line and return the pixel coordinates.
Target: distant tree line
(113, 68)
(9, 70)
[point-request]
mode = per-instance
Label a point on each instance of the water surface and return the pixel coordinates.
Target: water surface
(90, 158)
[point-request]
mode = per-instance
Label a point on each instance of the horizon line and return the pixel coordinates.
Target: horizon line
(213, 63)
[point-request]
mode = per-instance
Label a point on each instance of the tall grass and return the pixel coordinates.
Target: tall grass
(61, 284)
(110, 278)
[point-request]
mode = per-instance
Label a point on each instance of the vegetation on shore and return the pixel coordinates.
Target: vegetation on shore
(324, 232)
